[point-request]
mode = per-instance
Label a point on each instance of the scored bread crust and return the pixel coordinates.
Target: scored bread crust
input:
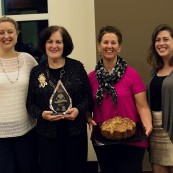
(118, 128)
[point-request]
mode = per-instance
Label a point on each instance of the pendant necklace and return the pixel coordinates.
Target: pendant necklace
(62, 72)
(60, 101)
(6, 73)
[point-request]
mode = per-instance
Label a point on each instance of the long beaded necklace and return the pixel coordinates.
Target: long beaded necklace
(4, 71)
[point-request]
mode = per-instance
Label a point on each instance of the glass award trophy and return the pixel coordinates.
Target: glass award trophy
(60, 100)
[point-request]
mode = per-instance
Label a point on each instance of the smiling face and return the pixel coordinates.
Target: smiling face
(109, 46)
(164, 44)
(54, 46)
(8, 35)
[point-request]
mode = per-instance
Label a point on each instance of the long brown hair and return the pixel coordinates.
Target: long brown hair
(154, 58)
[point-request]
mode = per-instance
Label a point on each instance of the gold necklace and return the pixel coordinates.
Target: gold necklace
(3, 69)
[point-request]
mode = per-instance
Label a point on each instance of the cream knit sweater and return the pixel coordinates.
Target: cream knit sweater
(14, 119)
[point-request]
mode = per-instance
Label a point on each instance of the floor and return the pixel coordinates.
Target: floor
(93, 167)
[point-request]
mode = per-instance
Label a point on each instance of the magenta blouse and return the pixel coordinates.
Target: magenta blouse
(130, 84)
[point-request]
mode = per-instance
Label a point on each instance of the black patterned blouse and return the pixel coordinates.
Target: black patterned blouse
(77, 85)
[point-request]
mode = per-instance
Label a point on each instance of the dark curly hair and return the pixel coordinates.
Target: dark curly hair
(47, 32)
(154, 58)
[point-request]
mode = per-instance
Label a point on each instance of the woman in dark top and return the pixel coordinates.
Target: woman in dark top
(60, 86)
(160, 96)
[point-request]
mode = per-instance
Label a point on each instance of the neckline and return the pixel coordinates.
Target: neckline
(62, 65)
(161, 76)
(17, 55)
(6, 73)
(48, 69)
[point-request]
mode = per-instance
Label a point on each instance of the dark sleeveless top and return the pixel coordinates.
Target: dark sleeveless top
(155, 93)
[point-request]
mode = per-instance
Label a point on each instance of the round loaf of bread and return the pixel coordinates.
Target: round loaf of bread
(118, 128)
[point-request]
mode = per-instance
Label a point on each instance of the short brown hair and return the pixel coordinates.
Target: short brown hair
(47, 32)
(110, 29)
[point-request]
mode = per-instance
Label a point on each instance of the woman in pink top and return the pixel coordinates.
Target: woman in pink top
(118, 90)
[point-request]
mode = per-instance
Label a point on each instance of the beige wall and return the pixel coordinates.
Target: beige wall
(136, 19)
(78, 17)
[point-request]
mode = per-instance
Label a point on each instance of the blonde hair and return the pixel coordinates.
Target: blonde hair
(8, 19)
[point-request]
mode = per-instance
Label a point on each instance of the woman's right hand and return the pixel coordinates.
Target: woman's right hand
(47, 115)
(91, 123)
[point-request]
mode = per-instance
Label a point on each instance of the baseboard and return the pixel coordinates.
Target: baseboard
(92, 167)
(142, 172)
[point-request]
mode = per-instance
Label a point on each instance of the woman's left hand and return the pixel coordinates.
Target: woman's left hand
(148, 130)
(71, 114)
(144, 112)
